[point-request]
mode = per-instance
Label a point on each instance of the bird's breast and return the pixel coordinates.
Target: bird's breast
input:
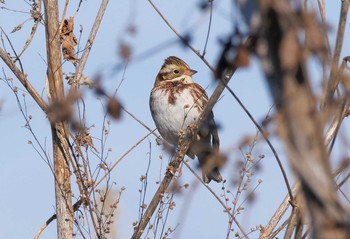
(173, 109)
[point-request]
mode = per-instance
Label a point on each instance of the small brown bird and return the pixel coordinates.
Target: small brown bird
(176, 101)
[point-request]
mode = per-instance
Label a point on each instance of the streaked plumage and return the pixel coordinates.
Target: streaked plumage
(176, 102)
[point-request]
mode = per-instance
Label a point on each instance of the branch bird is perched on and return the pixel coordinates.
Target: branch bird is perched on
(176, 102)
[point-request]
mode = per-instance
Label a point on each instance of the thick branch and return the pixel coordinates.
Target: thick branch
(278, 215)
(64, 210)
(63, 192)
(300, 124)
(54, 70)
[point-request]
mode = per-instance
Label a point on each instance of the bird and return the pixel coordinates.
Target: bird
(176, 102)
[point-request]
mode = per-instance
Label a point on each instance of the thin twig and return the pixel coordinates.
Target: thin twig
(13, 49)
(90, 40)
(277, 216)
(45, 156)
(209, 27)
(334, 79)
(335, 125)
(12, 10)
(327, 57)
(121, 158)
(144, 182)
(183, 39)
(79, 202)
(76, 206)
(226, 209)
(321, 8)
(64, 14)
(23, 79)
(285, 178)
(279, 229)
(37, 20)
(292, 222)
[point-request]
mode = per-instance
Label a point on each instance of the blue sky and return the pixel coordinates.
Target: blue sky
(25, 180)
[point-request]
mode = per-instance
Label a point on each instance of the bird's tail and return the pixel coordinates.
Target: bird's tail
(210, 170)
(212, 175)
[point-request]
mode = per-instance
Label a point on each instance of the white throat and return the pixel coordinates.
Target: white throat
(185, 79)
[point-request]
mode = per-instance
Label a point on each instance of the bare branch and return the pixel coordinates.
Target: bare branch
(293, 220)
(90, 41)
(183, 39)
(226, 209)
(209, 27)
(277, 216)
(264, 135)
(343, 110)
(322, 9)
(279, 213)
(23, 79)
(300, 125)
(63, 191)
(334, 76)
(36, 15)
(64, 14)
(121, 158)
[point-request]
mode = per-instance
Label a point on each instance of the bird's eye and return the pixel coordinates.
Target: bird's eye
(176, 71)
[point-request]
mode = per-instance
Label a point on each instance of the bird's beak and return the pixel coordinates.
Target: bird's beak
(191, 72)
